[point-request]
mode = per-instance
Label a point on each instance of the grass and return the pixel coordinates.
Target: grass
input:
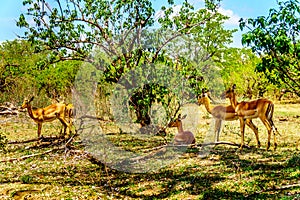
(225, 173)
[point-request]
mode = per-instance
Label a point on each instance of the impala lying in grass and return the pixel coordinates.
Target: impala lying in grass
(48, 114)
(182, 137)
(259, 108)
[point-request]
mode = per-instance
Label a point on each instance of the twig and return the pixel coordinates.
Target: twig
(22, 142)
(33, 155)
(284, 187)
(155, 148)
(39, 154)
(198, 145)
(223, 142)
(32, 140)
(93, 117)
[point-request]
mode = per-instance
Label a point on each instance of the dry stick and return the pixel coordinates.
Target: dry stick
(32, 155)
(284, 187)
(224, 142)
(39, 154)
(22, 142)
(198, 145)
(31, 140)
(159, 149)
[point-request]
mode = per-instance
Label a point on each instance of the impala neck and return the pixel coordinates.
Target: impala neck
(30, 112)
(179, 127)
(207, 104)
(233, 101)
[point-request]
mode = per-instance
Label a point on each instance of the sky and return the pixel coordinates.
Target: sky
(235, 9)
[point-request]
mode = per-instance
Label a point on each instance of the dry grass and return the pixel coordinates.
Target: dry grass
(226, 173)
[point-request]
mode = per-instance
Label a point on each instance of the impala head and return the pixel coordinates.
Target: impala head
(176, 122)
(202, 96)
(230, 92)
(26, 102)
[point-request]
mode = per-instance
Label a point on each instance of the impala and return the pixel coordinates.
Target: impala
(48, 114)
(221, 113)
(259, 108)
(182, 137)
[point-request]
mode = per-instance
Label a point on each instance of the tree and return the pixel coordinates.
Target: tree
(21, 70)
(238, 67)
(276, 39)
(18, 65)
(197, 54)
(119, 31)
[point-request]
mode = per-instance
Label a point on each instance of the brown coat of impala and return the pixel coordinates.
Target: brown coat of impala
(259, 108)
(47, 114)
(182, 137)
(221, 113)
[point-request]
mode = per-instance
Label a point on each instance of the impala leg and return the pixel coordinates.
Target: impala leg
(242, 126)
(218, 124)
(255, 130)
(39, 130)
(269, 128)
(274, 129)
(66, 126)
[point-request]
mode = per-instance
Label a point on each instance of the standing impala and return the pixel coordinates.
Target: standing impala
(182, 137)
(48, 114)
(221, 113)
(260, 108)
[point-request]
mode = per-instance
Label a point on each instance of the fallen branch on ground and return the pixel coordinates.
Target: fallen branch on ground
(223, 142)
(39, 154)
(32, 155)
(197, 145)
(43, 139)
(48, 138)
(8, 110)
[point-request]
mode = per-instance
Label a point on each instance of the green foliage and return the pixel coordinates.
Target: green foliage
(276, 39)
(149, 84)
(25, 73)
(16, 60)
(238, 66)
(58, 78)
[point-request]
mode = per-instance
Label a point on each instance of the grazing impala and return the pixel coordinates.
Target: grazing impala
(221, 113)
(182, 137)
(48, 114)
(260, 108)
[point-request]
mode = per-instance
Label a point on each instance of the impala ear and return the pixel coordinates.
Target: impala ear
(179, 117)
(204, 91)
(31, 99)
(234, 87)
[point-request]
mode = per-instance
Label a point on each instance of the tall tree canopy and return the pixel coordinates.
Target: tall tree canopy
(276, 39)
(118, 36)
(120, 29)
